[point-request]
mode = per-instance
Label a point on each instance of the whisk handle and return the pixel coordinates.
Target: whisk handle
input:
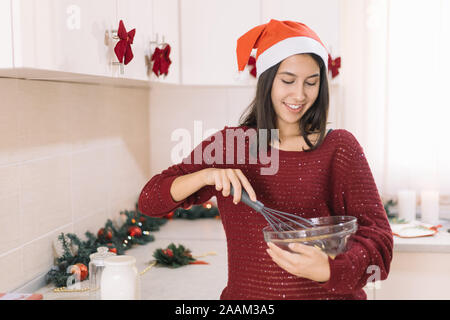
(256, 205)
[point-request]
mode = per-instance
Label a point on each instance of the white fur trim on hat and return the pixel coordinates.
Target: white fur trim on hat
(286, 48)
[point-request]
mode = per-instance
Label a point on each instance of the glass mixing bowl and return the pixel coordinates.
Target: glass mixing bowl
(331, 234)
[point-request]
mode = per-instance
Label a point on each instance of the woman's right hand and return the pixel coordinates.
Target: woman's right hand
(224, 178)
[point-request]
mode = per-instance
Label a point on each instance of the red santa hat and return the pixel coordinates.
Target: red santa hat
(277, 40)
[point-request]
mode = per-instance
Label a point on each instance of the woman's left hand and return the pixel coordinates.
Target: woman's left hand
(307, 261)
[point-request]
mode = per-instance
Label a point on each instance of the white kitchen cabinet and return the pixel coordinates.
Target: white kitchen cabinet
(65, 39)
(210, 29)
(63, 35)
(166, 24)
(6, 53)
(320, 15)
(136, 14)
(209, 32)
(71, 40)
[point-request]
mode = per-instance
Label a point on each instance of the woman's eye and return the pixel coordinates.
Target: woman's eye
(287, 82)
(311, 84)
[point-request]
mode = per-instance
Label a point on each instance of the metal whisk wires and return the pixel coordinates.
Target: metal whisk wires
(278, 220)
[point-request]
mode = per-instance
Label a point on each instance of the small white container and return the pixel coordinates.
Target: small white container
(429, 206)
(407, 205)
(120, 279)
(96, 266)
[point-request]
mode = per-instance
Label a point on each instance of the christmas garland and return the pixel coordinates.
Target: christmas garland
(135, 230)
(205, 210)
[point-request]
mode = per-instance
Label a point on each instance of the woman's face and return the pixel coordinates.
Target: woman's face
(295, 89)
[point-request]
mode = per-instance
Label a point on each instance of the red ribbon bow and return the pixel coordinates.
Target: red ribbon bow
(334, 65)
(123, 47)
(252, 63)
(161, 60)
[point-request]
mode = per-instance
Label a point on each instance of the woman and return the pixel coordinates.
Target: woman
(318, 173)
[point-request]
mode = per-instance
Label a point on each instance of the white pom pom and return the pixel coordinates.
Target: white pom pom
(242, 76)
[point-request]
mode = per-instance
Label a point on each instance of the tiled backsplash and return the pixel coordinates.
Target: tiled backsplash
(71, 156)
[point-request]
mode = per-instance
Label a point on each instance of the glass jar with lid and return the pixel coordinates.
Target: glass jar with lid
(120, 279)
(96, 266)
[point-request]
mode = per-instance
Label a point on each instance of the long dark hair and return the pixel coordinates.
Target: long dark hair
(260, 114)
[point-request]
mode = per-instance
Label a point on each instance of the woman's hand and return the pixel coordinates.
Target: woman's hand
(224, 178)
(307, 262)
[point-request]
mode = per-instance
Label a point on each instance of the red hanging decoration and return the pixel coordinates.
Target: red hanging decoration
(134, 231)
(161, 61)
(334, 65)
(252, 63)
(123, 47)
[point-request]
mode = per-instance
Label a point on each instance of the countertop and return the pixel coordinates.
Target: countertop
(206, 282)
(439, 243)
(191, 282)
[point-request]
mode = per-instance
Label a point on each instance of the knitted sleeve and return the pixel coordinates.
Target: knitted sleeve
(355, 193)
(155, 198)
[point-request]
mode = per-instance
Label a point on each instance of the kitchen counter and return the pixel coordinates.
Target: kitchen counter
(206, 282)
(191, 282)
(439, 243)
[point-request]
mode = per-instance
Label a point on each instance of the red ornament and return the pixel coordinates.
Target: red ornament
(106, 234)
(112, 248)
(134, 231)
(252, 63)
(168, 252)
(80, 271)
(170, 215)
(161, 60)
(123, 47)
(334, 65)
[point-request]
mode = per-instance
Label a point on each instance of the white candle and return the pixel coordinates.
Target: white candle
(407, 205)
(429, 207)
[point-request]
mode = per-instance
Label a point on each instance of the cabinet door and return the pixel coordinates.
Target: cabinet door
(63, 35)
(6, 58)
(136, 14)
(166, 23)
(209, 32)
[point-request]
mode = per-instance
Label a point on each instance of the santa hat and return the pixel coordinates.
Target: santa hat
(277, 40)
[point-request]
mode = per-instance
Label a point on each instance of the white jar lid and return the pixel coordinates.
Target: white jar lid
(102, 253)
(120, 261)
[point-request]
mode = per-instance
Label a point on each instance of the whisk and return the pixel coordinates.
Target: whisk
(278, 220)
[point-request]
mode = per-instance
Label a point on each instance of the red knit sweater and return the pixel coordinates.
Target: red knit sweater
(334, 179)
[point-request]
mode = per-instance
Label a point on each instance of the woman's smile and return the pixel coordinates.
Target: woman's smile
(294, 108)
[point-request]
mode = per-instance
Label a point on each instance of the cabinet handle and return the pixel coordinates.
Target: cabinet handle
(113, 35)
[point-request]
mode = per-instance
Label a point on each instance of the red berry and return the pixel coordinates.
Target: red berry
(111, 248)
